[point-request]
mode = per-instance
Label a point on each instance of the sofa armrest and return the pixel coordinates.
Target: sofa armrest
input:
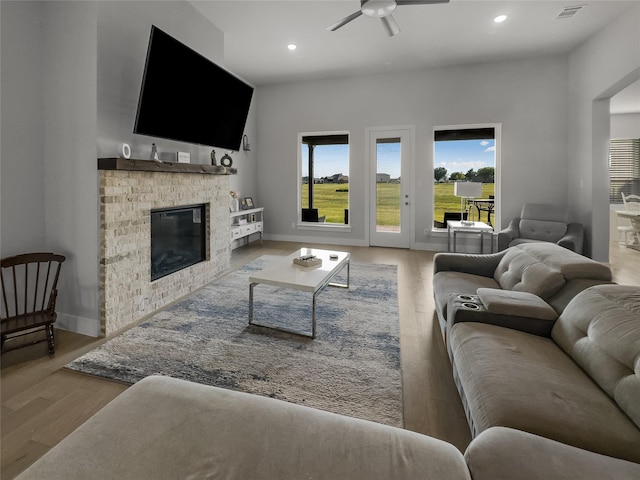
(574, 238)
(476, 264)
(501, 452)
(514, 303)
(521, 311)
(506, 236)
(165, 428)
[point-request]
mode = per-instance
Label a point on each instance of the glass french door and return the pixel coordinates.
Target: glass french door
(390, 203)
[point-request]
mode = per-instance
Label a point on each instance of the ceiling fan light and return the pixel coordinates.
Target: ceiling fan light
(378, 8)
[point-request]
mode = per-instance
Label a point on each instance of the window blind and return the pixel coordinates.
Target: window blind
(624, 168)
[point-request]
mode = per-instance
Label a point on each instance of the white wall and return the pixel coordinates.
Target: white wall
(528, 97)
(601, 67)
(70, 177)
(123, 37)
(625, 125)
(48, 132)
(21, 156)
(71, 74)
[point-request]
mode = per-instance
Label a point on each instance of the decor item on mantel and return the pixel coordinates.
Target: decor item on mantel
(154, 153)
(226, 160)
(159, 166)
(214, 162)
(352, 367)
(126, 151)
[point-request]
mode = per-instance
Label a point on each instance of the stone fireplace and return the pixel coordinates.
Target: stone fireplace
(128, 194)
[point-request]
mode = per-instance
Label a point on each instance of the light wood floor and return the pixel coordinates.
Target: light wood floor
(41, 404)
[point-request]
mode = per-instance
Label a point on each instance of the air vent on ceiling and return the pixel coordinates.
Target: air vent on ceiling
(569, 12)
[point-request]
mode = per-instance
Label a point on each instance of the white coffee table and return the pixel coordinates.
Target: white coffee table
(284, 273)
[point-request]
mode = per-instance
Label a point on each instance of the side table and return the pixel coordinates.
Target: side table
(456, 226)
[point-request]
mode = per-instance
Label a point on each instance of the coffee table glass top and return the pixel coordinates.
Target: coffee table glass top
(283, 272)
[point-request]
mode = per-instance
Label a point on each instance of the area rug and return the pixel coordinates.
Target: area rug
(352, 367)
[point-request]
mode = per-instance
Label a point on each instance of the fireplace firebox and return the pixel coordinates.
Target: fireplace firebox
(177, 239)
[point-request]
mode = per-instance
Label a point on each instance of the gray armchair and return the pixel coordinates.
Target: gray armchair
(542, 223)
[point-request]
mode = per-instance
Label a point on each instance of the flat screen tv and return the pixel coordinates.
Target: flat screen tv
(188, 98)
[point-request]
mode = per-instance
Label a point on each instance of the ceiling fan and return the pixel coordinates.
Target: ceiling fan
(381, 9)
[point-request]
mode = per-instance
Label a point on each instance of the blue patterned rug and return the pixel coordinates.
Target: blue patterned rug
(352, 367)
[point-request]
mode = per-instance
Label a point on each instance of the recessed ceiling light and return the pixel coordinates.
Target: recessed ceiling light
(292, 47)
(500, 18)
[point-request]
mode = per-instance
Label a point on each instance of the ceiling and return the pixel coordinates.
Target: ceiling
(257, 33)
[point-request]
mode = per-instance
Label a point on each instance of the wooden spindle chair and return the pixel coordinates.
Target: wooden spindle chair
(29, 289)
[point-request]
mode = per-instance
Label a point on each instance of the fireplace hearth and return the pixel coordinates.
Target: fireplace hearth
(178, 237)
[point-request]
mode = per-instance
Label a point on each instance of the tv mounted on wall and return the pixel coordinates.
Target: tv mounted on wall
(188, 98)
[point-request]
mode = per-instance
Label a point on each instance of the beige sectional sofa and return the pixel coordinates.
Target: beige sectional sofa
(552, 349)
(580, 386)
(527, 285)
(164, 428)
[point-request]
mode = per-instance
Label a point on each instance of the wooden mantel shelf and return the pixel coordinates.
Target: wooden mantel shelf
(152, 166)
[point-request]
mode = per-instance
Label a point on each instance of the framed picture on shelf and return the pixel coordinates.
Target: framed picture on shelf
(248, 202)
(243, 203)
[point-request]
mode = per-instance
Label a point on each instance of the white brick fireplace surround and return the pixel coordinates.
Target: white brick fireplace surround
(126, 199)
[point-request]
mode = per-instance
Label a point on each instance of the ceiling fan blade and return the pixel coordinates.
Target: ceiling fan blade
(344, 21)
(419, 2)
(390, 25)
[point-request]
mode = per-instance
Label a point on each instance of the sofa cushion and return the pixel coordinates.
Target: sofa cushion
(523, 381)
(520, 271)
(501, 453)
(600, 330)
(524, 304)
(572, 265)
(165, 428)
(447, 283)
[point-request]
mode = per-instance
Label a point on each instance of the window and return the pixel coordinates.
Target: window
(324, 186)
(624, 168)
(465, 153)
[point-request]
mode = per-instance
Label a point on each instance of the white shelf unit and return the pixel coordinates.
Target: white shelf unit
(246, 223)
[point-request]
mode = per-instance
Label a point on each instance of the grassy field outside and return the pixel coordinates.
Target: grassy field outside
(446, 201)
(332, 199)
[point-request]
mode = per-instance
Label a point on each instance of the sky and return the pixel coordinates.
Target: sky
(332, 159)
(463, 155)
(328, 160)
(455, 156)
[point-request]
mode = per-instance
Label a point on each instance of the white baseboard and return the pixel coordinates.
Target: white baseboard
(81, 325)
